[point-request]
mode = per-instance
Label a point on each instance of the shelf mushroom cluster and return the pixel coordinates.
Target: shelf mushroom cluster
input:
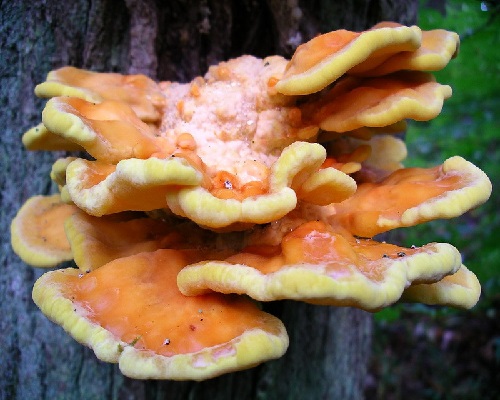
(265, 179)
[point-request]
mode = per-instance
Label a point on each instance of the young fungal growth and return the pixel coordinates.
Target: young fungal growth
(267, 178)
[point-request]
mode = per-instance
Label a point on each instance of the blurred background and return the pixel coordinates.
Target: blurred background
(437, 353)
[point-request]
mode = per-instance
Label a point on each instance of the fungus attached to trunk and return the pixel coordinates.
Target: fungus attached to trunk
(265, 177)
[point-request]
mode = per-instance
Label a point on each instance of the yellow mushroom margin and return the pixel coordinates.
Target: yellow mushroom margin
(132, 185)
(109, 131)
(175, 184)
(296, 175)
(461, 289)
(40, 138)
(95, 241)
(438, 48)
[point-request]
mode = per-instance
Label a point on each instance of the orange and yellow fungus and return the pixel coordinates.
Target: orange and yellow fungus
(144, 185)
(378, 102)
(37, 231)
(327, 57)
(153, 331)
(138, 91)
(221, 185)
(461, 289)
(438, 48)
(109, 131)
(97, 241)
(131, 185)
(411, 196)
(370, 160)
(40, 138)
(314, 263)
(365, 132)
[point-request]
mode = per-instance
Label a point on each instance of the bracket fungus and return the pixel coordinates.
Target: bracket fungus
(265, 178)
(138, 91)
(37, 231)
(157, 332)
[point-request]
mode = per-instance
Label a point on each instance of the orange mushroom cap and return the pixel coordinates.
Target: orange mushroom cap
(338, 268)
(317, 264)
(131, 185)
(411, 196)
(327, 57)
(378, 102)
(37, 231)
(364, 132)
(109, 131)
(146, 325)
(138, 91)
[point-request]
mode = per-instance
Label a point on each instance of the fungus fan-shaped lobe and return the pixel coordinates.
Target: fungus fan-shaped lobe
(318, 49)
(96, 241)
(141, 93)
(318, 264)
(132, 185)
(438, 48)
(461, 289)
(109, 131)
(410, 196)
(131, 311)
(315, 65)
(101, 188)
(37, 231)
(377, 102)
(40, 138)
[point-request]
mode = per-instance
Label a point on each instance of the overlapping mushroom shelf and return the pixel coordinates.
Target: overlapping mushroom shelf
(266, 179)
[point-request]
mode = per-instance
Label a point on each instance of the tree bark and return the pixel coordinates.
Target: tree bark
(174, 40)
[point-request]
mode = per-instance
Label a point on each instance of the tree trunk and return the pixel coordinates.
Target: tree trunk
(167, 40)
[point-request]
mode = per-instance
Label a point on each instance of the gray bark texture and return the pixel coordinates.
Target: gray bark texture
(167, 40)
